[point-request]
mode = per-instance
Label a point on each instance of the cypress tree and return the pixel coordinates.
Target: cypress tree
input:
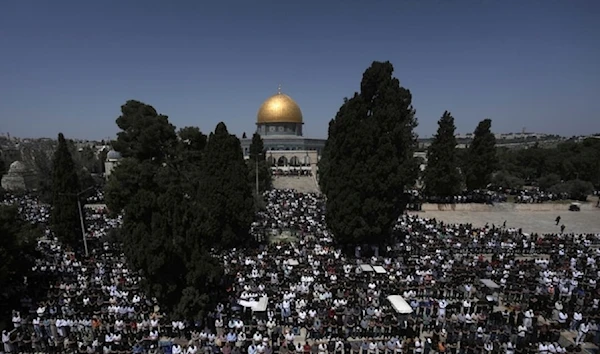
(225, 195)
(65, 222)
(481, 157)
(442, 176)
(368, 159)
(157, 186)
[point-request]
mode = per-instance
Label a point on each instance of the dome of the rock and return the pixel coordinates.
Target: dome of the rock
(279, 108)
(18, 167)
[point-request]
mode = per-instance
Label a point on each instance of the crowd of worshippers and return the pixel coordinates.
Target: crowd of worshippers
(538, 196)
(319, 300)
(96, 196)
(476, 196)
(291, 171)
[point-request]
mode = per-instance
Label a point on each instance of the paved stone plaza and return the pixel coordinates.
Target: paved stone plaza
(585, 221)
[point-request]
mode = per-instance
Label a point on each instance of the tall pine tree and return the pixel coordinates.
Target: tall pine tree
(65, 222)
(481, 157)
(442, 175)
(225, 194)
(368, 159)
(157, 186)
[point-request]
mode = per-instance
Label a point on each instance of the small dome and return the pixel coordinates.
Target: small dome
(113, 155)
(18, 167)
(279, 108)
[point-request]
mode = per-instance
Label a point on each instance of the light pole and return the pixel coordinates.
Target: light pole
(80, 209)
(256, 173)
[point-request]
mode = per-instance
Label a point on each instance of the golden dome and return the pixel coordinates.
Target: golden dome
(279, 108)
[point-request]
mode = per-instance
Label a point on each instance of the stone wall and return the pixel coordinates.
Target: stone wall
(504, 207)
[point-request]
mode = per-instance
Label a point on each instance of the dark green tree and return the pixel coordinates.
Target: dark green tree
(192, 143)
(546, 181)
(548, 165)
(574, 189)
(40, 158)
(368, 159)
(145, 135)
(481, 157)
(65, 222)
(442, 175)
(505, 180)
(17, 252)
(225, 193)
(257, 161)
(157, 188)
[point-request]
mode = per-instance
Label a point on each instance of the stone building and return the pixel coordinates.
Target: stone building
(19, 178)
(279, 122)
(112, 160)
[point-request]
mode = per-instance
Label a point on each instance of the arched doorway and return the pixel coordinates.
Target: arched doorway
(282, 161)
(306, 161)
(294, 161)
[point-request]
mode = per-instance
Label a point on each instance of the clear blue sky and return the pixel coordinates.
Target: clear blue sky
(69, 65)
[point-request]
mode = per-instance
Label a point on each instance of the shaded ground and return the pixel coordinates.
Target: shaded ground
(585, 221)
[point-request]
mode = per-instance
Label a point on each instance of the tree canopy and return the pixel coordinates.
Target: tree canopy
(65, 222)
(442, 175)
(481, 157)
(548, 166)
(181, 195)
(16, 252)
(224, 190)
(145, 134)
(368, 159)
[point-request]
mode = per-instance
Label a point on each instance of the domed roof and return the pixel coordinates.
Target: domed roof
(18, 167)
(279, 108)
(113, 155)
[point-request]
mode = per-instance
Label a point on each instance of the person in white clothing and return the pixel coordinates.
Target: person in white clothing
(418, 347)
(577, 317)
(6, 341)
(509, 348)
(191, 349)
(322, 348)
(542, 348)
(176, 349)
(584, 328)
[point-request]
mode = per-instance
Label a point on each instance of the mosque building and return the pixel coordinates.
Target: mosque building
(112, 160)
(279, 122)
(19, 178)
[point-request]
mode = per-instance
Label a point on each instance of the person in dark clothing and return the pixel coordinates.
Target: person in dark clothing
(557, 220)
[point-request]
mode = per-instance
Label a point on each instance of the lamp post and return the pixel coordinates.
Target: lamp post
(80, 209)
(256, 173)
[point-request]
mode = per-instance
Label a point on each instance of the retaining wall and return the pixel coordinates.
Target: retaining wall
(504, 207)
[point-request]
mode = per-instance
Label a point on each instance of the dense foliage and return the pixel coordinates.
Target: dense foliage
(442, 176)
(569, 160)
(368, 159)
(65, 221)
(224, 192)
(17, 251)
(481, 160)
(182, 195)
